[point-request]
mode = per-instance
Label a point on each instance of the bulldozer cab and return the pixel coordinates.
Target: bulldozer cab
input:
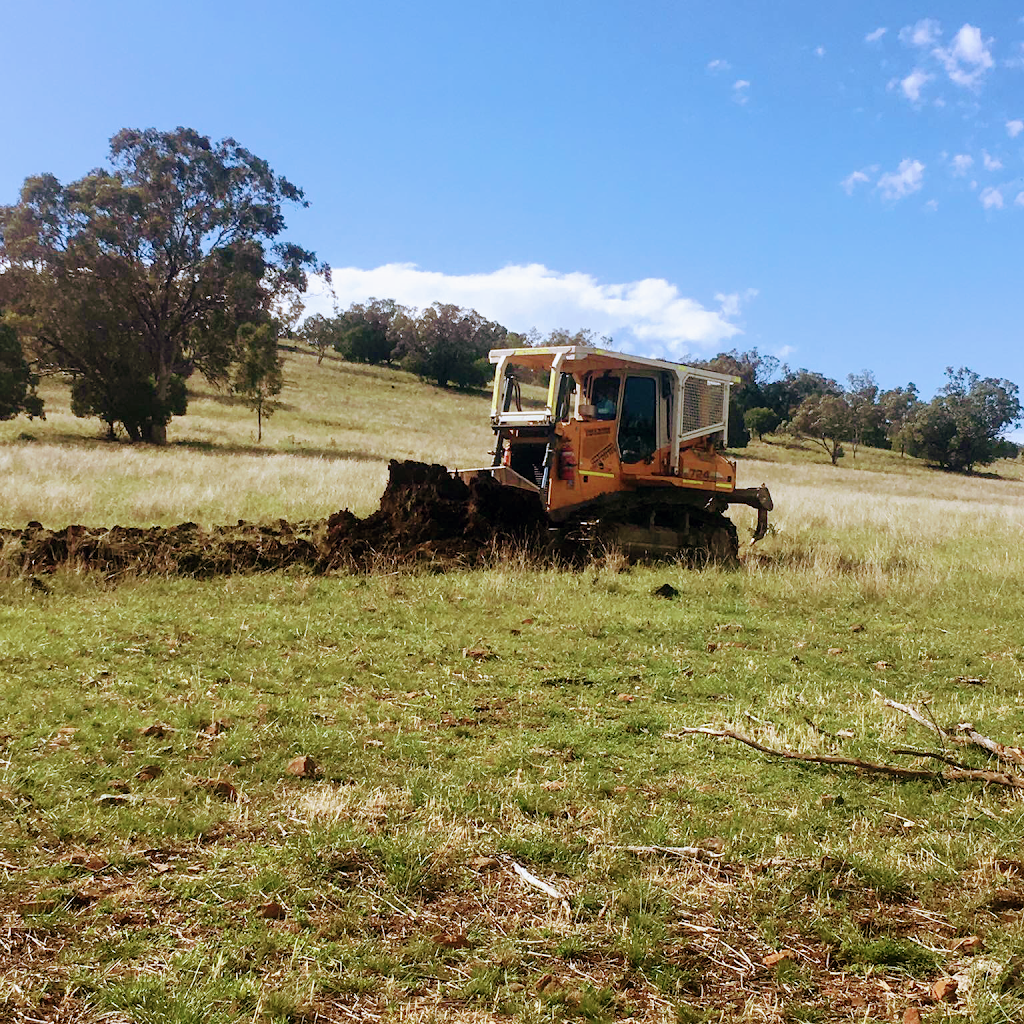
(651, 406)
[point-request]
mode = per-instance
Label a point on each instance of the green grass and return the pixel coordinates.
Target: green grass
(465, 721)
(526, 751)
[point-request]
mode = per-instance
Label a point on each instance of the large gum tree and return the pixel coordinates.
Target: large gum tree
(141, 273)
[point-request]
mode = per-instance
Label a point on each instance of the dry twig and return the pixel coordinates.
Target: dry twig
(965, 736)
(1010, 779)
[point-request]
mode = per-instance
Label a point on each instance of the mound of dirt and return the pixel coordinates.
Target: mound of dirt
(425, 515)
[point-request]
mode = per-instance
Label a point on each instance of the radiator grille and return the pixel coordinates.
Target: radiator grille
(703, 405)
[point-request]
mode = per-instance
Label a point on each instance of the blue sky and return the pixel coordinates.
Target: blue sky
(841, 184)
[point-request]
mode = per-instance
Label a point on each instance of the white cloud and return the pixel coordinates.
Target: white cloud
(962, 163)
(819, 51)
(902, 182)
(1019, 201)
(924, 34)
(991, 198)
(731, 303)
(719, 65)
(1014, 128)
(968, 57)
(851, 181)
(932, 205)
(873, 37)
(739, 90)
(992, 163)
(914, 83)
(648, 316)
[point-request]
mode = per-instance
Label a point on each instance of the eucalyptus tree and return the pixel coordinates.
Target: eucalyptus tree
(141, 273)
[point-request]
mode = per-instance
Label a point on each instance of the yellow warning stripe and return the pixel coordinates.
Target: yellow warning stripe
(593, 472)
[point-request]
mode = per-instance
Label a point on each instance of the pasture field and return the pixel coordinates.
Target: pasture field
(299, 798)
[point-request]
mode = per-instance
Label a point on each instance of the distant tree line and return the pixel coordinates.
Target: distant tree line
(960, 428)
(443, 343)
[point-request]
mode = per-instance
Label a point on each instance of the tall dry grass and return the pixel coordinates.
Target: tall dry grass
(886, 531)
(325, 448)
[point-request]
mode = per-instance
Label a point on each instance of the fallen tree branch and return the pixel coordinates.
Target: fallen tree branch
(998, 778)
(945, 758)
(965, 736)
(917, 717)
(1000, 751)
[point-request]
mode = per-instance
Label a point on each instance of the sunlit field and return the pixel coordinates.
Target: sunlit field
(470, 796)
(327, 447)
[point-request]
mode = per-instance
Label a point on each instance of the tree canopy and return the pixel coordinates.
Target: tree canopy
(961, 427)
(17, 381)
(447, 343)
(827, 420)
(134, 277)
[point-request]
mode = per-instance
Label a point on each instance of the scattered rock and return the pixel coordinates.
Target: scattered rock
(911, 1015)
(149, 772)
(970, 680)
(303, 766)
(857, 627)
(666, 590)
(273, 911)
(970, 944)
(156, 729)
(835, 651)
(881, 666)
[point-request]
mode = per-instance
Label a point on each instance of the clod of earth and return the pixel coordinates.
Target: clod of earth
(273, 911)
(303, 766)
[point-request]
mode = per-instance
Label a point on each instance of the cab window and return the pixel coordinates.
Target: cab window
(604, 397)
(639, 423)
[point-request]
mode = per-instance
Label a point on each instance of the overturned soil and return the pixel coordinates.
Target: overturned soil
(425, 515)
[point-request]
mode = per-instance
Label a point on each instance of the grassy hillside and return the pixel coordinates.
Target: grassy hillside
(327, 447)
(167, 856)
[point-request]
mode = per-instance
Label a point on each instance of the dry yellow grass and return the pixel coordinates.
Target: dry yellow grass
(326, 448)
